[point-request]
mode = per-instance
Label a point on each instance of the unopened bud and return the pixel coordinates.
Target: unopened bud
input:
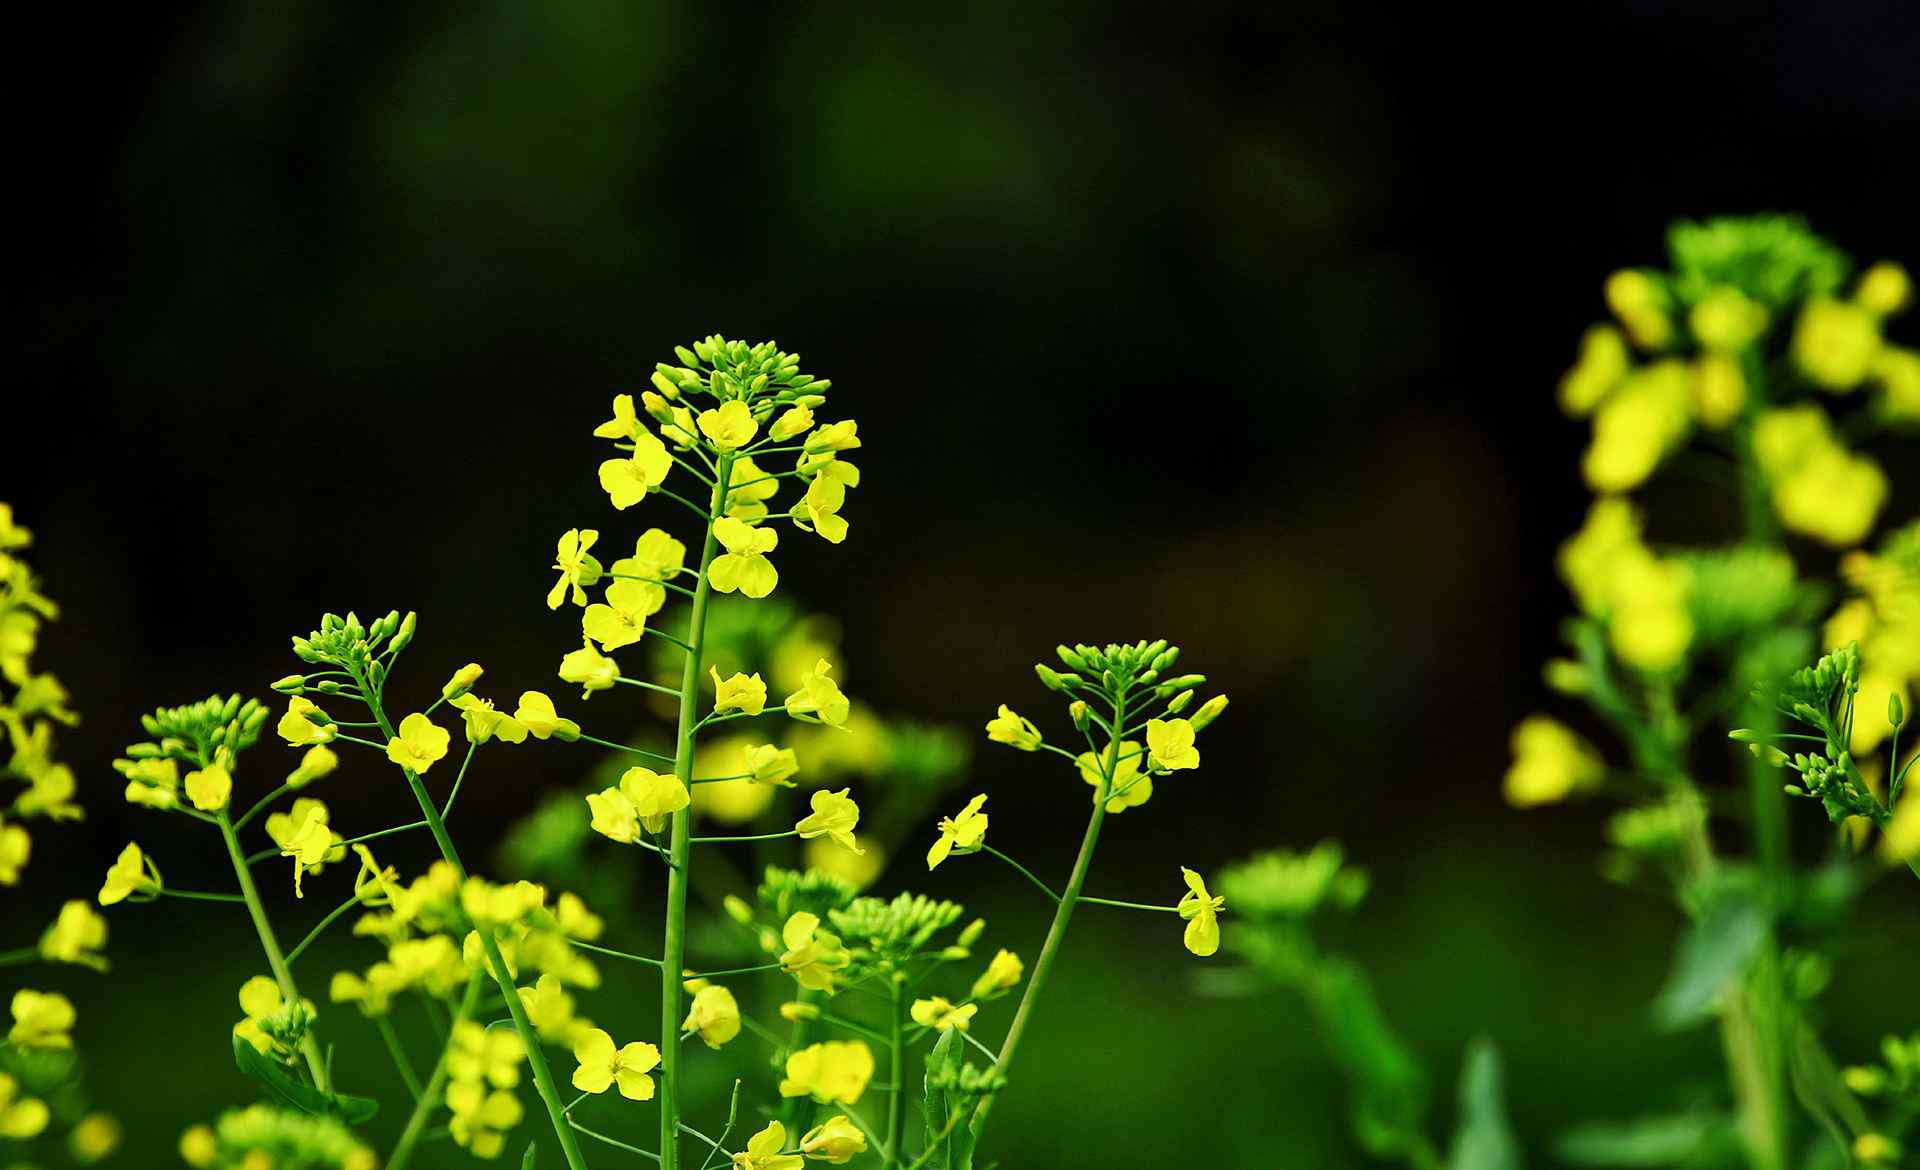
(462, 681)
(292, 684)
(1208, 712)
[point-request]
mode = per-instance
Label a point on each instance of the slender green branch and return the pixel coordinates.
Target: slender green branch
(600, 950)
(621, 747)
(200, 895)
(734, 971)
(645, 685)
(1044, 887)
(1128, 905)
(748, 837)
(260, 806)
(429, 1097)
(616, 1143)
(400, 1062)
(276, 961)
(896, 1068)
(15, 958)
(333, 916)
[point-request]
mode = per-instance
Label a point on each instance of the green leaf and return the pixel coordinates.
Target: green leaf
(527, 1159)
(1715, 951)
(942, 1066)
(1484, 1139)
(299, 1094)
(1683, 1139)
(1388, 1089)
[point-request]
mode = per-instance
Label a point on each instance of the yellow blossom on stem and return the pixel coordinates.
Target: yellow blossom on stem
(625, 423)
(831, 1071)
(310, 842)
(965, 832)
(834, 815)
(480, 1053)
(420, 743)
(1131, 786)
(841, 436)
(481, 1117)
(741, 692)
(152, 783)
(1014, 730)
(1201, 910)
(536, 713)
(593, 670)
(41, 1019)
(795, 420)
(16, 845)
(577, 568)
(301, 731)
(820, 509)
(763, 1151)
(318, 762)
(1003, 973)
(613, 816)
(131, 874)
(210, 788)
(940, 1014)
(1170, 744)
(1550, 763)
(655, 797)
(1835, 343)
(485, 724)
(462, 681)
(714, 1014)
(603, 1065)
(744, 566)
(813, 956)
(835, 1140)
(76, 936)
(819, 697)
(627, 481)
(656, 557)
(730, 426)
(21, 1118)
(771, 765)
(622, 618)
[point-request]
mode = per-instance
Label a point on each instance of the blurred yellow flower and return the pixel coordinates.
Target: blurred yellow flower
(832, 1071)
(76, 936)
(1550, 763)
(41, 1019)
(940, 1014)
(1835, 342)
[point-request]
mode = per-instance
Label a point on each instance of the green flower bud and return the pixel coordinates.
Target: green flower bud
(1208, 712)
(1053, 680)
(462, 681)
(1071, 657)
(405, 636)
(971, 933)
(1180, 702)
(737, 909)
(1082, 718)
(1896, 714)
(292, 684)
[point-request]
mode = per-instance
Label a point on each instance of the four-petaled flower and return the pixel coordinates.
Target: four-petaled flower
(834, 815)
(577, 569)
(420, 743)
(819, 697)
(603, 1065)
(536, 714)
(627, 481)
(622, 618)
(820, 508)
(484, 723)
(940, 1014)
(298, 728)
(41, 1019)
(714, 1013)
(1201, 910)
(210, 787)
(835, 1140)
(964, 832)
(1131, 786)
(744, 566)
(729, 427)
(813, 956)
(1170, 745)
(1011, 728)
(131, 873)
(655, 796)
(836, 1070)
(742, 692)
(593, 670)
(763, 1151)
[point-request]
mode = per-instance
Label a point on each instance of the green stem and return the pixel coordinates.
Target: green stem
(14, 958)
(896, 1067)
(331, 918)
(1062, 915)
(276, 961)
(673, 958)
(497, 965)
(429, 1097)
(1128, 905)
(400, 1062)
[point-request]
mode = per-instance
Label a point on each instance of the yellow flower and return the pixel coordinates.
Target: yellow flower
(419, 745)
(748, 490)
(16, 845)
(76, 936)
(18, 634)
(1170, 744)
(481, 1117)
(796, 420)
(940, 1014)
(714, 1014)
(41, 1019)
(12, 536)
(1725, 320)
(601, 1065)
(1898, 371)
(744, 566)
(834, 815)
(550, 1009)
(50, 793)
(1586, 560)
(1640, 302)
(740, 693)
(1201, 910)
(310, 842)
(1603, 361)
(840, 436)
(318, 762)
(96, 1136)
(763, 1151)
(627, 481)
(577, 568)
(1635, 428)
(1884, 289)
(1834, 497)
(462, 681)
(153, 783)
(283, 827)
(1719, 390)
(1002, 974)
(1131, 786)
(820, 697)
(210, 787)
(820, 508)
(729, 427)
(1013, 729)
(813, 956)
(480, 1053)
(131, 874)
(965, 832)
(613, 816)
(575, 920)
(1876, 1148)
(484, 723)
(835, 1140)
(772, 765)
(622, 618)
(833, 1071)
(733, 801)
(21, 1118)
(198, 1146)
(1550, 763)
(655, 797)
(1649, 624)
(593, 670)
(656, 557)
(537, 715)
(1834, 343)
(301, 731)
(625, 423)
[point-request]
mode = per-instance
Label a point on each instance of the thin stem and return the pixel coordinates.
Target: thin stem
(1062, 915)
(423, 1105)
(201, 895)
(600, 950)
(14, 958)
(446, 810)
(674, 958)
(616, 1143)
(1128, 905)
(748, 837)
(651, 686)
(621, 747)
(896, 1068)
(1044, 887)
(282, 974)
(260, 806)
(945, 1130)
(332, 917)
(734, 971)
(400, 1062)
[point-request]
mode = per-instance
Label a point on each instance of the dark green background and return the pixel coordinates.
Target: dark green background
(1237, 327)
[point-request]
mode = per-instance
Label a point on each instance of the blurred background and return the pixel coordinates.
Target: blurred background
(1237, 327)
